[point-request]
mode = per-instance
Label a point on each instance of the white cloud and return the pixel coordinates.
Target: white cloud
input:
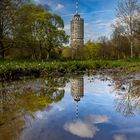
(86, 128)
(67, 29)
(59, 6)
(119, 137)
(81, 129)
(94, 27)
(97, 28)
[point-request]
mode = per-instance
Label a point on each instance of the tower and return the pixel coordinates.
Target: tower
(77, 30)
(77, 91)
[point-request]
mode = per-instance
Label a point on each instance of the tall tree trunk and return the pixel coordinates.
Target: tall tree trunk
(40, 52)
(131, 43)
(33, 54)
(48, 55)
(1, 49)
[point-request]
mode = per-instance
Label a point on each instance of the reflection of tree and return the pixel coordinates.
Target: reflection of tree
(32, 102)
(10, 118)
(124, 105)
(129, 100)
(22, 99)
(55, 82)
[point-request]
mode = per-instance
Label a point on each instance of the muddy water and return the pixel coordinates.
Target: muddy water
(99, 107)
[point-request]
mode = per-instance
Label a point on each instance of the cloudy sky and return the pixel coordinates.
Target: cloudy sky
(98, 14)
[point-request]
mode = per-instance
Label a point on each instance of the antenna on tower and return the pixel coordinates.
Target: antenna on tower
(76, 110)
(77, 7)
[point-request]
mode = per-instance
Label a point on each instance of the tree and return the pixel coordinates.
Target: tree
(28, 27)
(5, 22)
(92, 49)
(105, 47)
(7, 13)
(38, 30)
(67, 52)
(120, 41)
(126, 14)
(56, 36)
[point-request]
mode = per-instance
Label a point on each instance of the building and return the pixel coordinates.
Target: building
(77, 88)
(77, 30)
(77, 91)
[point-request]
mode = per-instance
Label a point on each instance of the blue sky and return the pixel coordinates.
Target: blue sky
(98, 15)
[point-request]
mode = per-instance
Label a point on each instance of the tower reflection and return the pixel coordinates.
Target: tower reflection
(77, 91)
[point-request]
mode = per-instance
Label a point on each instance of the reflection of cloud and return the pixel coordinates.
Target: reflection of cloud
(41, 115)
(81, 129)
(98, 119)
(60, 108)
(86, 128)
(119, 137)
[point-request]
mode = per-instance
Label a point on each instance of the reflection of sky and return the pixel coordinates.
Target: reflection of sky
(81, 129)
(119, 137)
(86, 128)
(98, 118)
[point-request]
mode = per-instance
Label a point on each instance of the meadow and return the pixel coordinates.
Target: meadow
(13, 69)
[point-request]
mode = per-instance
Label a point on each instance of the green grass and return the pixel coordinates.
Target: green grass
(9, 67)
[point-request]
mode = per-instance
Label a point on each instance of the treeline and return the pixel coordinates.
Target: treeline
(125, 39)
(29, 31)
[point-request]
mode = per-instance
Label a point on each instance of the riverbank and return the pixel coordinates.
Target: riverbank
(10, 70)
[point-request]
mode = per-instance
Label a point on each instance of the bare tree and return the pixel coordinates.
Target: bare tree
(127, 11)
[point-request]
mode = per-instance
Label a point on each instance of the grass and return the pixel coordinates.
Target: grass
(8, 68)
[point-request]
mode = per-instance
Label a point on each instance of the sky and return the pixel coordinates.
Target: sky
(98, 15)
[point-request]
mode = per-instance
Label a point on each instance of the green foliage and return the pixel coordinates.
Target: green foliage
(32, 32)
(12, 68)
(39, 30)
(31, 29)
(92, 50)
(30, 102)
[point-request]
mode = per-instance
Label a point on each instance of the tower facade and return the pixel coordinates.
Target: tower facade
(77, 30)
(77, 88)
(77, 91)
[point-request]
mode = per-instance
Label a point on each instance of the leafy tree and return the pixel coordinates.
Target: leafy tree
(27, 29)
(7, 13)
(39, 30)
(67, 52)
(56, 36)
(92, 49)
(6, 10)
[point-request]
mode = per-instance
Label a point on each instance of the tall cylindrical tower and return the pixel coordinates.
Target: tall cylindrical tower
(77, 30)
(77, 91)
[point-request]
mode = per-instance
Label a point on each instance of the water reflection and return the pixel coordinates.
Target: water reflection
(46, 108)
(128, 97)
(19, 101)
(10, 117)
(84, 128)
(119, 137)
(77, 91)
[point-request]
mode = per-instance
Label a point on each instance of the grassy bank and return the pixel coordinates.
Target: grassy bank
(11, 69)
